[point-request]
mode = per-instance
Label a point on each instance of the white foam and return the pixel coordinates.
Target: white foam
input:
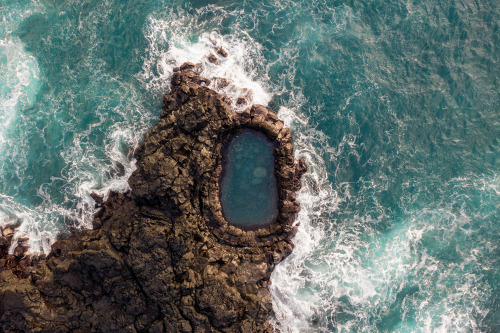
(294, 304)
(91, 174)
(371, 269)
(41, 235)
(19, 69)
(87, 167)
(19, 85)
(335, 262)
(174, 39)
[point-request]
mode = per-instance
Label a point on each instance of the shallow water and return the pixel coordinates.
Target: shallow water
(248, 189)
(393, 104)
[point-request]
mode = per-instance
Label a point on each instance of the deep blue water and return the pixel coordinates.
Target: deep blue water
(393, 104)
(248, 188)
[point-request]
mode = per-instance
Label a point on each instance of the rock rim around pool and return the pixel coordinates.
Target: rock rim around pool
(161, 257)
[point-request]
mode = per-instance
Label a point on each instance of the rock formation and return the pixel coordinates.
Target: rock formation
(161, 257)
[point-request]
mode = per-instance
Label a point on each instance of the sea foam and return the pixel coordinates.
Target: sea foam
(84, 148)
(176, 38)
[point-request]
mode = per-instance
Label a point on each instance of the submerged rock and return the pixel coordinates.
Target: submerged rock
(222, 52)
(161, 257)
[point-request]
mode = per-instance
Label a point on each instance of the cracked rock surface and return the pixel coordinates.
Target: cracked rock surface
(161, 257)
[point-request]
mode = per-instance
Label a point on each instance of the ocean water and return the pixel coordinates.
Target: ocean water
(393, 104)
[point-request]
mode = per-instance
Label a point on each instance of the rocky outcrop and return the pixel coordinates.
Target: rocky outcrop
(161, 257)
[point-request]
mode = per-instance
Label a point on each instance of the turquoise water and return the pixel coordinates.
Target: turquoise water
(393, 104)
(248, 189)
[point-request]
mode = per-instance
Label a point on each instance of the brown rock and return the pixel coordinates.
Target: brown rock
(98, 198)
(23, 240)
(4, 243)
(187, 66)
(213, 59)
(222, 52)
(8, 232)
(19, 251)
(162, 258)
(222, 83)
(241, 101)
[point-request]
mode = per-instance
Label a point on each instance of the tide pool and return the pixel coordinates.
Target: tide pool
(248, 189)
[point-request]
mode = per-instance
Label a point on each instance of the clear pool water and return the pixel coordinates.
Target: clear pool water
(248, 191)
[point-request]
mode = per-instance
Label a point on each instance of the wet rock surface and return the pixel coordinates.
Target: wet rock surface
(161, 257)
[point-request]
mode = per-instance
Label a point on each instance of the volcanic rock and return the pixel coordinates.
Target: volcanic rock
(222, 52)
(213, 59)
(161, 257)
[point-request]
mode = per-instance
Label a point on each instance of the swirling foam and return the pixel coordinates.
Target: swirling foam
(18, 89)
(293, 302)
(88, 153)
(177, 37)
(19, 85)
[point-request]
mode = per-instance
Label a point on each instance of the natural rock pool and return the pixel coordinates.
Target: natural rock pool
(248, 190)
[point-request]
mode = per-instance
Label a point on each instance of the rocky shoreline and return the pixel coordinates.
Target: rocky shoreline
(161, 257)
